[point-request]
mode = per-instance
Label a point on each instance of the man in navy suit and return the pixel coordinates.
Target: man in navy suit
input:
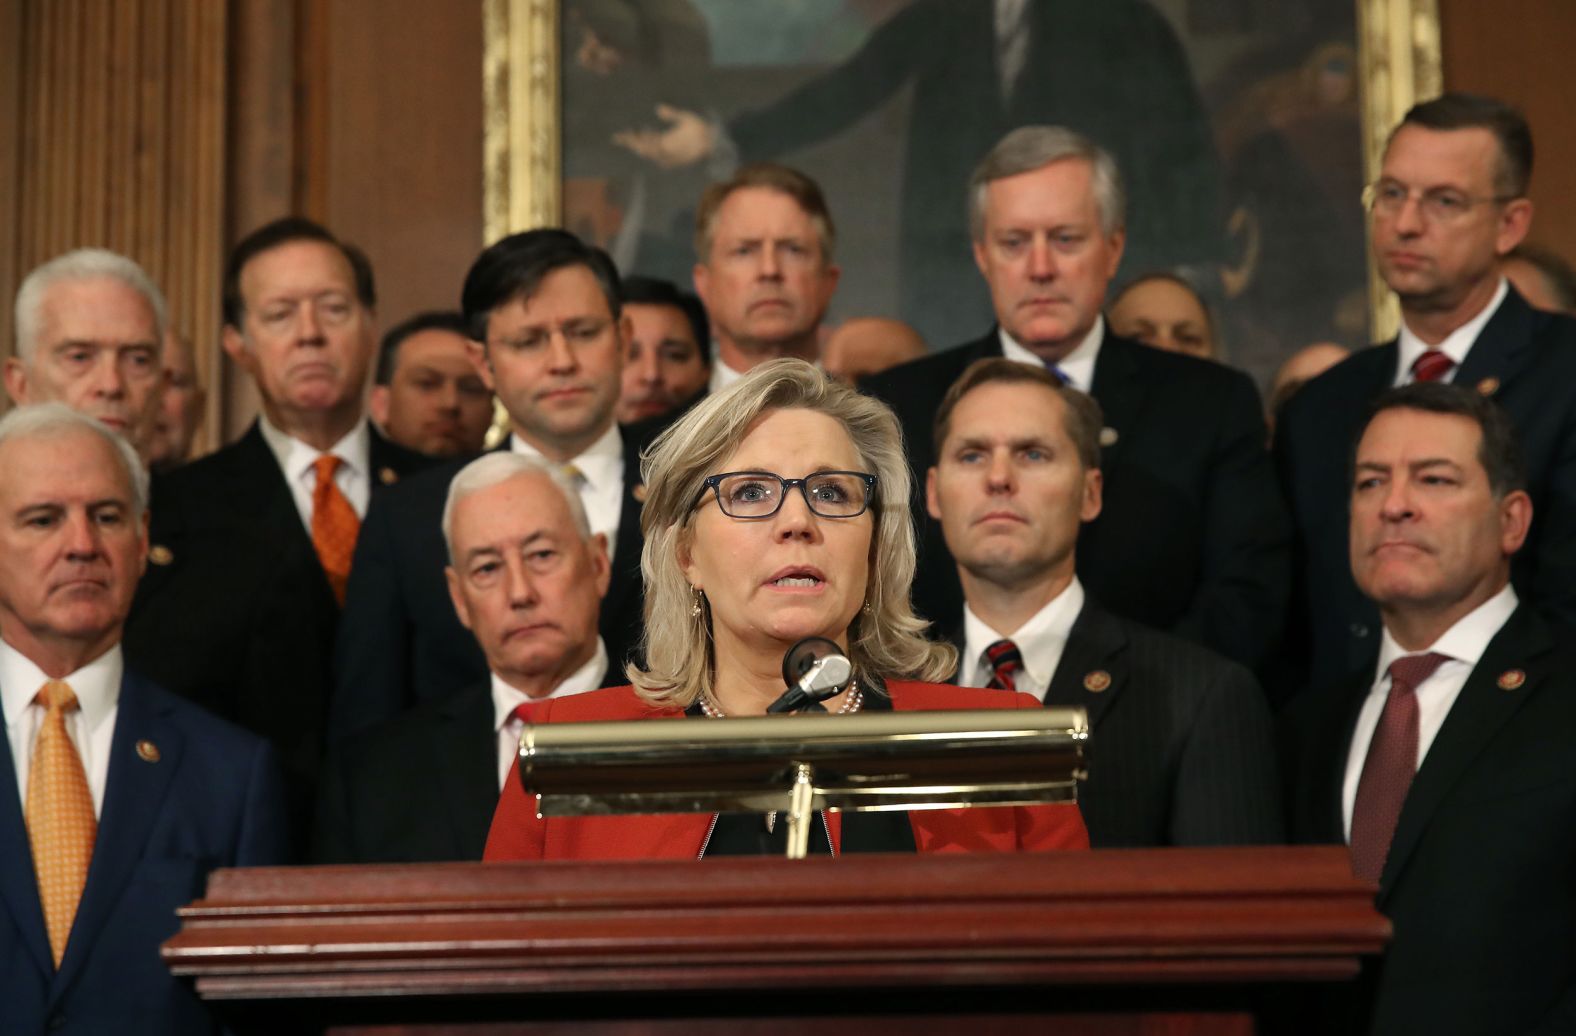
(1192, 536)
(549, 338)
(1450, 201)
(1446, 762)
(526, 576)
(1182, 751)
(156, 793)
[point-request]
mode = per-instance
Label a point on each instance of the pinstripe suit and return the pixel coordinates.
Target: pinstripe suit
(1181, 748)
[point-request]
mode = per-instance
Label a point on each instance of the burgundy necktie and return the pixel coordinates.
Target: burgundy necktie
(1433, 365)
(1006, 662)
(1389, 767)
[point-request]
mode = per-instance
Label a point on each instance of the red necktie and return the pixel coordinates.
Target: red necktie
(334, 525)
(1433, 365)
(1006, 662)
(1389, 767)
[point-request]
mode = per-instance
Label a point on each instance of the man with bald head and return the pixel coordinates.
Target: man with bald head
(89, 328)
(864, 346)
(1449, 204)
(526, 576)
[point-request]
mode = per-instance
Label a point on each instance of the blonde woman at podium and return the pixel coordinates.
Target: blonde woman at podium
(776, 511)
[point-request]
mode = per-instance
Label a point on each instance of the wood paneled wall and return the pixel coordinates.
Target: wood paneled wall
(114, 136)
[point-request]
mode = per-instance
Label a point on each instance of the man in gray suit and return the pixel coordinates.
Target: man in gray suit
(1182, 747)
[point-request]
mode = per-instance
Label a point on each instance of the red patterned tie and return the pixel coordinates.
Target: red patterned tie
(1433, 365)
(1006, 662)
(1389, 767)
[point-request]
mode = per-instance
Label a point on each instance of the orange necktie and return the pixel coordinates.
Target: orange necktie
(334, 525)
(60, 821)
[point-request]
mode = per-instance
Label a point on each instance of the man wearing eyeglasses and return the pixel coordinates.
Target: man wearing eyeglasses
(1449, 203)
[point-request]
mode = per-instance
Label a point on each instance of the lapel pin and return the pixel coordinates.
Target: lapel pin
(147, 751)
(638, 491)
(159, 554)
(1097, 681)
(1488, 386)
(1108, 436)
(387, 476)
(1511, 679)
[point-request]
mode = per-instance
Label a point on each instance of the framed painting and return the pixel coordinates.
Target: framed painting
(1245, 130)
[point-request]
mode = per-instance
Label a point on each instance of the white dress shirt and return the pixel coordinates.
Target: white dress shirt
(722, 375)
(1456, 345)
(91, 728)
(506, 699)
(602, 487)
(1077, 366)
(1464, 644)
(296, 460)
(1040, 641)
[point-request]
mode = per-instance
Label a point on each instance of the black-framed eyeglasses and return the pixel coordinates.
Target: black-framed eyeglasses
(760, 494)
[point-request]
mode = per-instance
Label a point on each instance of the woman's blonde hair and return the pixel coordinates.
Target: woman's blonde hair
(885, 639)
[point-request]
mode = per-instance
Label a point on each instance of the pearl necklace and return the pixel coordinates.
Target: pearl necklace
(856, 698)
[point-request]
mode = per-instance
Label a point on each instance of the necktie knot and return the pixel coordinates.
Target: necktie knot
(576, 477)
(1409, 671)
(326, 466)
(57, 696)
(1006, 662)
(1431, 366)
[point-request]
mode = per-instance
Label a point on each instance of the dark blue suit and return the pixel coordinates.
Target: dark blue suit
(211, 799)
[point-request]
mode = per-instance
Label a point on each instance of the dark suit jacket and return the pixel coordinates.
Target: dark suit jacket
(400, 641)
(1480, 882)
(1192, 538)
(234, 611)
(945, 50)
(420, 787)
(211, 799)
(1181, 748)
(1531, 356)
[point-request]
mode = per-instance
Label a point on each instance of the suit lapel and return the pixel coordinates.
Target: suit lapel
(1095, 645)
(133, 798)
(1501, 348)
(469, 781)
(1472, 723)
(1327, 782)
(18, 886)
(1120, 387)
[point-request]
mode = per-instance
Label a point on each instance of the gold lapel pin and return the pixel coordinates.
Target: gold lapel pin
(1108, 436)
(1488, 386)
(638, 491)
(1511, 679)
(147, 751)
(1097, 681)
(388, 476)
(159, 554)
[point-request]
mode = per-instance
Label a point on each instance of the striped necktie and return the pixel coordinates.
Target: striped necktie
(1006, 662)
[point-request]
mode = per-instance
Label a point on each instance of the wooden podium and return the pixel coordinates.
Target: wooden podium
(1172, 942)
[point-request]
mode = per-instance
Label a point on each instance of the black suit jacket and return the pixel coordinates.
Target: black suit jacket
(210, 798)
(400, 641)
(1528, 358)
(1480, 883)
(234, 611)
(1181, 748)
(421, 787)
(1193, 536)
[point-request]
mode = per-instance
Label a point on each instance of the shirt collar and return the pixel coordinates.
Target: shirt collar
(1466, 640)
(602, 463)
(722, 375)
(1077, 365)
(1040, 640)
(296, 458)
(1456, 345)
(97, 684)
(587, 678)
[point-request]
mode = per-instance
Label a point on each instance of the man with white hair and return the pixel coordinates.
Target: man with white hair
(1192, 538)
(527, 577)
(125, 796)
(89, 325)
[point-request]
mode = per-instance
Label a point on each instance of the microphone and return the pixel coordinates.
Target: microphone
(814, 669)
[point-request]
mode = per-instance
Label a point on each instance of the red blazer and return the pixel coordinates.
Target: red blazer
(519, 834)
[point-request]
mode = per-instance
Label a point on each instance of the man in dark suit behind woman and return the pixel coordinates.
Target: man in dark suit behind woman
(549, 338)
(1181, 750)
